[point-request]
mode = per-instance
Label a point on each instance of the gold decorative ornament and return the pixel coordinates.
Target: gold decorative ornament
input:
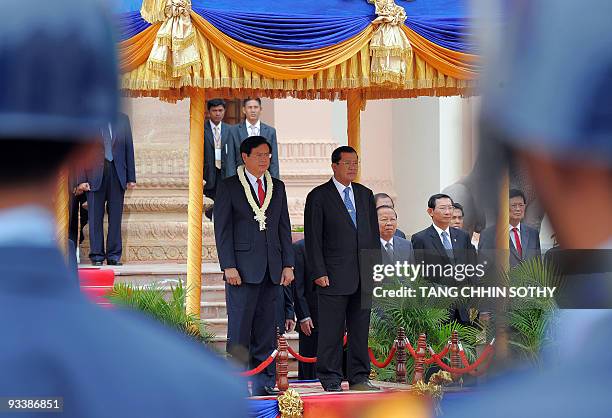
(441, 377)
(260, 212)
(389, 46)
(290, 404)
(431, 390)
(175, 53)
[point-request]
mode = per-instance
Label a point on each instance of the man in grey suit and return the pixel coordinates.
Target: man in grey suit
(252, 126)
(383, 199)
(524, 240)
(217, 147)
(393, 248)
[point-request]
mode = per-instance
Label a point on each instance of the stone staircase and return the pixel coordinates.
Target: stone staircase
(213, 307)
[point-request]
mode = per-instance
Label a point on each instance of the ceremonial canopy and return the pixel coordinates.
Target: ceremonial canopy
(325, 49)
(301, 48)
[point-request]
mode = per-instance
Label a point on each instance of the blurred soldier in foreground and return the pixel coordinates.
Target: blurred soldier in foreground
(553, 112)
(58, 80)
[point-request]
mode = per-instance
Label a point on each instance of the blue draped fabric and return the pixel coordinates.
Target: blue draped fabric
(450, 32)
(301, 25)
(263, 408)
(286, 32)
(131, 24)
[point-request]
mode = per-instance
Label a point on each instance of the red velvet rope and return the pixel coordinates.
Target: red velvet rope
(466, 363)
(442, 353)
(301, 358)
(461, 370)
(384, 363)
(261, 366)
(410, 349)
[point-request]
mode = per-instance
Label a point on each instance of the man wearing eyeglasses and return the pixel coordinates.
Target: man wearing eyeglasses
(441, 244)
(339, 223)
(253, 237)
(524, 240)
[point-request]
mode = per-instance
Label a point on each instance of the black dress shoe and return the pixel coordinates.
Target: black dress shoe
(96, 263)
(364, 386)
(114, 263)
(333, 388)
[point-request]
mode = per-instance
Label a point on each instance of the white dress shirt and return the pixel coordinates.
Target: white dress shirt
(384, 243)
(512, 234)
(257, 126)
(439, 231)
(216, 142)
(253, 181)
(341, 188)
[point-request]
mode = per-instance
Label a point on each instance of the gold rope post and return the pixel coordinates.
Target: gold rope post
(196, 202)
(502, 258)
(354, 103)
(62, 210)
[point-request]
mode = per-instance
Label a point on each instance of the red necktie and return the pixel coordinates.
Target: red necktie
(517, 241)
(260, 192)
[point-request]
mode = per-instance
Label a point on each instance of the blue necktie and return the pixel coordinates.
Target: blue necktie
(447, 244)
(349, 205)
(108, 144)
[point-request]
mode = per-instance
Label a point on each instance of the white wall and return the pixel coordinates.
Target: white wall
(416, 156)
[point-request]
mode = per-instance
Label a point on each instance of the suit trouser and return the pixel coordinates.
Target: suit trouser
(108, 197)
(75, 225)
(336, 312)
(308, 348)
(251, 327)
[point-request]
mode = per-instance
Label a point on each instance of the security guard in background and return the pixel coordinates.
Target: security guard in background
(58, 84)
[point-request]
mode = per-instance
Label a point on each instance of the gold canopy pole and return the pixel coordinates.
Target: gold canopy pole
(62, 210)
(196, 202)
(354, 104)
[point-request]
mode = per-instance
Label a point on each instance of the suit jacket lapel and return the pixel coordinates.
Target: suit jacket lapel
(524, 238)
(335, 197)
(208, 134)
(242, 130)
(263, 131)
(225, 132)
(437, 242)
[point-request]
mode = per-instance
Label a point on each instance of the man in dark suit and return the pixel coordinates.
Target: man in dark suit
(255, 255)
(339, 222)
(218, 146)
(51, 111)
(393, 248)
(306, 310)
(383, 199)
(252, 126)
(524, 240)
(440, 244)
(105, 183)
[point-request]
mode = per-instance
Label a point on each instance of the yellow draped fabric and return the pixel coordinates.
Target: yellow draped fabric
(234, 69)
(282, 65)
(135, 51)
(455, 64)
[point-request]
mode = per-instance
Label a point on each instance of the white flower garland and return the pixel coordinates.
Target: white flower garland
(260, 212)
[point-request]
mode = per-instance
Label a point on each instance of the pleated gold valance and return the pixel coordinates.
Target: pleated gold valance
(227, 78)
